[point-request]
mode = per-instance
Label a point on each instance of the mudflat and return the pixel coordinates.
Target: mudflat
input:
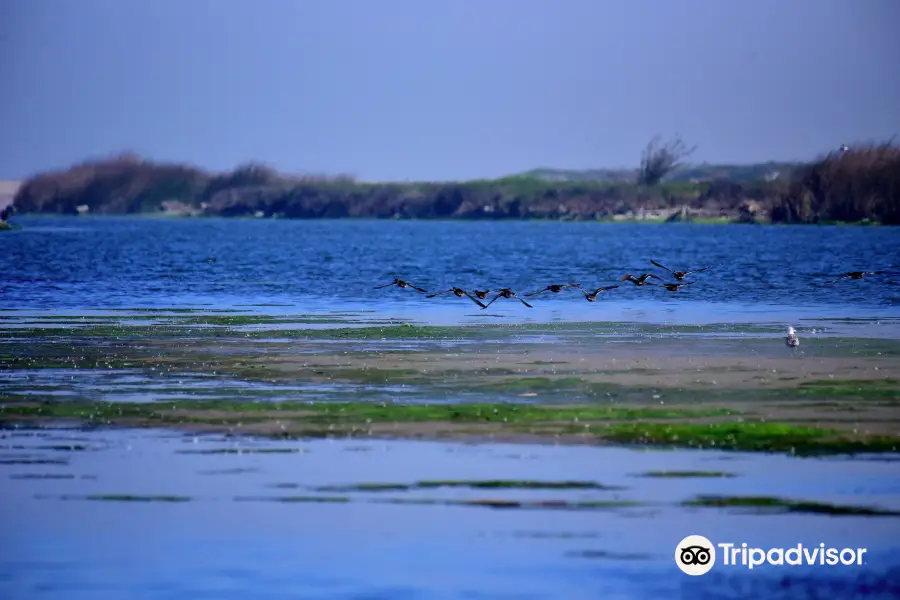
(731, 386)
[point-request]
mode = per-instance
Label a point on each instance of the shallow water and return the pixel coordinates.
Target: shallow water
(243, 530)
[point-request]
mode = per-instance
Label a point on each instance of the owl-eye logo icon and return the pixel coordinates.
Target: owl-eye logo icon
(695, 555)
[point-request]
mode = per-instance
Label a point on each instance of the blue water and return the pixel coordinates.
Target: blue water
(70, 263)
(233, 540)
(236, 538)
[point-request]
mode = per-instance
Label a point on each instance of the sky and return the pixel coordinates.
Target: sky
(441, 89)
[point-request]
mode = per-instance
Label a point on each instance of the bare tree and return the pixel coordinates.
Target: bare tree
(659, 159)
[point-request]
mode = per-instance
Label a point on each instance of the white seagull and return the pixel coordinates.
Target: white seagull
(792, 341)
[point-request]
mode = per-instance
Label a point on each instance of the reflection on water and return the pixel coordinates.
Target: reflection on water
(145, 514)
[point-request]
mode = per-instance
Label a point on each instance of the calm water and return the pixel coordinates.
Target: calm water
(68, 264)
(242, 533)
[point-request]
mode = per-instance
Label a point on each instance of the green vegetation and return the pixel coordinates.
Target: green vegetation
(686, 474)
(769, 505)
(601, 424)
(345, 412)
(748, 437)
(484, 503)
(119, 498)
(501, 484)
(861, 184)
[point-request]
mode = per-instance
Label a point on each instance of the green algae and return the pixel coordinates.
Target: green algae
(41, 476)
(498, 413)
(747, 436)
(608, 555)
(115, 497)
(770, 505)
(617, 424)
(686, 474)
(335, 412)
(478, 502)
(244, 451)
(868, 389)
(295, 499)
(32, 461)
(471, 484)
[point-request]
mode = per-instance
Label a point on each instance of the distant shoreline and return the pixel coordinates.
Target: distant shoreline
(855, 185)
(162, 216)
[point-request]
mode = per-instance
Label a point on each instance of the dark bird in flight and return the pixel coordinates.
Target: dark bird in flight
(856, 275)
(459, 293)
(402, 284)
(508, 293)
(673, 287)
(642, 280)
(592, 296)
(555, 288)
(679, 275)
(481, 294)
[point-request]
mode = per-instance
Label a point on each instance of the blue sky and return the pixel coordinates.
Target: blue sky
(441, 89)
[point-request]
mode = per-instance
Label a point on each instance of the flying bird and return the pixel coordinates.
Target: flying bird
(508, 293)
(679, 275)
(592, 296)
(459, 293)
(481, 294)
(673, 287)
(555, 288)
(856, 275)
(402, 284)
(642, 280)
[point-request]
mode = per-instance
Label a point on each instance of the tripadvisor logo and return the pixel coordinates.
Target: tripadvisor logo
(696, 555)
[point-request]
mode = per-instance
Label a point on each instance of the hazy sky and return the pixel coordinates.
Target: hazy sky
(441, 89)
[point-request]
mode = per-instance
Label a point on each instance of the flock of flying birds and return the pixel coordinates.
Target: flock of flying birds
(477, 296)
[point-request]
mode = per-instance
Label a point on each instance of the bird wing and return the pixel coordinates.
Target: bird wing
(538, 292)
(697, 270)
(492, 300)
(418, 289)
(838, 279)
(603, 289)
(661, 266)
(654, 276)
(436, 293)
(522, 301)
(476, 300)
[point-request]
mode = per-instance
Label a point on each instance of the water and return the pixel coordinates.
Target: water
(274, 266)
(243, 531)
